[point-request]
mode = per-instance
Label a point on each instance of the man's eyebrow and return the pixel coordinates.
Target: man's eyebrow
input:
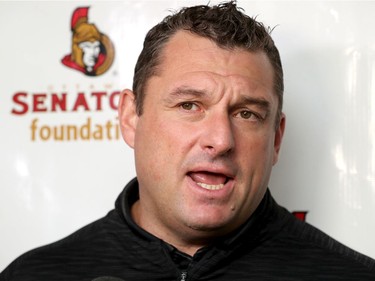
(198, 93)
(183, 93)
(261, 102)
(187, 91)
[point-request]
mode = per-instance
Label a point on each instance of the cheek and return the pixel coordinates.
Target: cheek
(255, 154)
(254, 143)
(147, 148)
(176, 137)
(158, 147)
(255, 157)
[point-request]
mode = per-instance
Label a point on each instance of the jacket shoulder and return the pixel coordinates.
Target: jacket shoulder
(318, 245)
(55, 259)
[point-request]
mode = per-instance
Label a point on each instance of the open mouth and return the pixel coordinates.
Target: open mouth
(209, 180)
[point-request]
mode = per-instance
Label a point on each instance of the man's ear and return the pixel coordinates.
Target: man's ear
(128, 117)
(278, 138)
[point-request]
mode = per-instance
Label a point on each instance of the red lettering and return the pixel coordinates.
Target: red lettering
(81, 101)
(17, 100)
(58, 102)
(98, 96)
(112, 103)
(38, 102)
(24, 102)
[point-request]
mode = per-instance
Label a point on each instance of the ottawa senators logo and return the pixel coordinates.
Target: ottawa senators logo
(92, 51)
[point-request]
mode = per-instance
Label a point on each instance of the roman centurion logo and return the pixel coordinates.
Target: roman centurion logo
(92, 51)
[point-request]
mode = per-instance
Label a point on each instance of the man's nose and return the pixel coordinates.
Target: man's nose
(217, 134)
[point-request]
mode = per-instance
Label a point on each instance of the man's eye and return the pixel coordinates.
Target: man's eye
(189, 106)
(249, 115)
(245, 114)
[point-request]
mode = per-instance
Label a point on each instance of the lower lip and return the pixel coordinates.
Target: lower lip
(223, 192)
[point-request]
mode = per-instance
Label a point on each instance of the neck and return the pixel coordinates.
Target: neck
(179, 241)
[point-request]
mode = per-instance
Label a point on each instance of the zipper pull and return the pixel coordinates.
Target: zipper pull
(183, 276)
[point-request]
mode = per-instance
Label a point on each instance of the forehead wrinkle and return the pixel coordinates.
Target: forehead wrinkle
(206, 85)
(186, 91)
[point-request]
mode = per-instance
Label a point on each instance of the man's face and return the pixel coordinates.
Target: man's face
(206, 141)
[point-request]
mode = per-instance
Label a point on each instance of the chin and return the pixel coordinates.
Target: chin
(210, 225)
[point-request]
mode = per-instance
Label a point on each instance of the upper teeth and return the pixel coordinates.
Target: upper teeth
(210, 186)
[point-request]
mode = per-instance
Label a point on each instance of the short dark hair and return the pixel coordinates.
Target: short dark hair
(225, 24)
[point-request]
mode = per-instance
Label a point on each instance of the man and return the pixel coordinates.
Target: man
(205, 121)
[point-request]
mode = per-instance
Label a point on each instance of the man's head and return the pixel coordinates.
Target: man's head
(208, 127)
(224, 24)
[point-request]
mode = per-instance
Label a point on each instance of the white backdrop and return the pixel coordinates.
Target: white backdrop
(49, 188)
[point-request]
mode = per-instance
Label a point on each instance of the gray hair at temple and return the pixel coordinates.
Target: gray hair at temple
(225, 24)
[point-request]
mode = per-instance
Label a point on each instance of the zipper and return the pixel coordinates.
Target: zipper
(183, 276)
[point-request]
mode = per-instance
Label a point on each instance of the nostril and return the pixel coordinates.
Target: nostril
(217, 151)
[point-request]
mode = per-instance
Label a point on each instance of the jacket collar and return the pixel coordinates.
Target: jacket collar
(263, 223)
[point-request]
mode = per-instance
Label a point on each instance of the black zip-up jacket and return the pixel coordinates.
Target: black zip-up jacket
(271, 245)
